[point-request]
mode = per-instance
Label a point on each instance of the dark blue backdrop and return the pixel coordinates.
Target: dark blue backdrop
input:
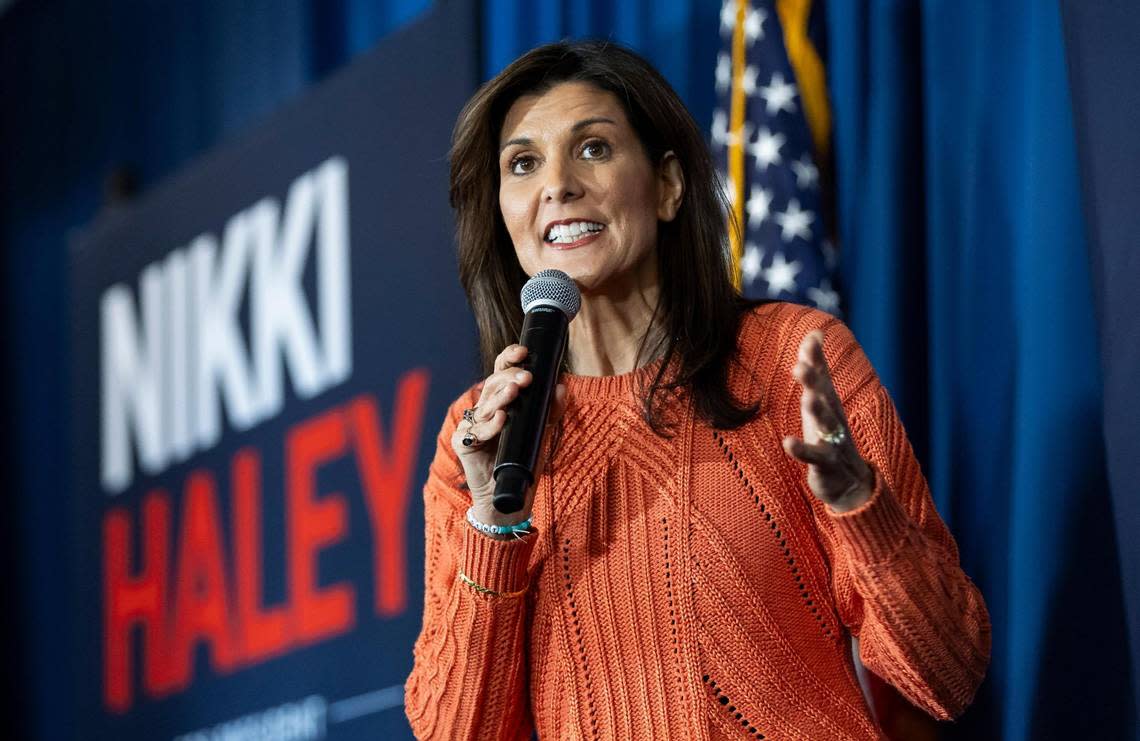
(1105, 79)
(960, 224)
(965, 263)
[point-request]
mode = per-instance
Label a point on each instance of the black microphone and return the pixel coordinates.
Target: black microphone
(549, 301)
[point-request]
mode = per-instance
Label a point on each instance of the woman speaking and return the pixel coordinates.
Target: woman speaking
(728, 494)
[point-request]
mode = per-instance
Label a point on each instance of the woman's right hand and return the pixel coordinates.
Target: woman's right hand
(478, 457)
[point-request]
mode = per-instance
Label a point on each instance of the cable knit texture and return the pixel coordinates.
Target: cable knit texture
(692, 587)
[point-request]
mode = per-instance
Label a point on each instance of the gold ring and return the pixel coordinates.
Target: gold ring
(469, 440)
(469, 415)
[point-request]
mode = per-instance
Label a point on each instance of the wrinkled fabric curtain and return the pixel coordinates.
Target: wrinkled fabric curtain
(967, 280)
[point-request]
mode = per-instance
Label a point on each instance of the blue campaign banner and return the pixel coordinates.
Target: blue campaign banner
(263, 349)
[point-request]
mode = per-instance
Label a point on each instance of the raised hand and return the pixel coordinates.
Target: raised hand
(837, 474)
(476, 437)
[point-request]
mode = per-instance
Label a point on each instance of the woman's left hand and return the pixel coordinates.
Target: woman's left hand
(837, 474)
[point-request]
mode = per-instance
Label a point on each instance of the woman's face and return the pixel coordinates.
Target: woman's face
(577, 190)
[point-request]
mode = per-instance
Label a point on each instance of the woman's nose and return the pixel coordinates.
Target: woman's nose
(561, 183)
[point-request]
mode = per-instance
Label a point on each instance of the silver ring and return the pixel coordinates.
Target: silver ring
(469, 415)
(834, 438)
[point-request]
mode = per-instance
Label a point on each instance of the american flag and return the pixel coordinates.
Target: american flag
(768, 153)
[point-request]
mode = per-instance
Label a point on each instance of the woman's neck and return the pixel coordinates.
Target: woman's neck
(609, 331)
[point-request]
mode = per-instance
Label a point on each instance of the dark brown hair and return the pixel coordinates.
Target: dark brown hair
(699, 309)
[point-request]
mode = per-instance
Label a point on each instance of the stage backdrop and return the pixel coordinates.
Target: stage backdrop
(258, 378)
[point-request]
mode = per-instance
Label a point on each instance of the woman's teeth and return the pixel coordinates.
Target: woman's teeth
(569, 233)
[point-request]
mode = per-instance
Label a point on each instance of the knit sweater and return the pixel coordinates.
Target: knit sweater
(691, 586)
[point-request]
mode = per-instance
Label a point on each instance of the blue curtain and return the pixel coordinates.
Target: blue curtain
(968, 283)
(680, 37)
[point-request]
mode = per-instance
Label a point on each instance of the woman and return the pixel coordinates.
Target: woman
(729, 492)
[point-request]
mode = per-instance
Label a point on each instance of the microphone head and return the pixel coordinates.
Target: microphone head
(552, 288)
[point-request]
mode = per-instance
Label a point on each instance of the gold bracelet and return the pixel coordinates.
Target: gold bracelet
(483, 590)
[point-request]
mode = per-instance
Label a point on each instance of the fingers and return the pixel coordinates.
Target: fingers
(819, 414)
(469, 438)
(498, 390)
(498, 385)
(835, 469)
(820, 454)
(812, 369)
(511, 355)
(489, 414)
(820, 399)
(842, 480)
(811, 348)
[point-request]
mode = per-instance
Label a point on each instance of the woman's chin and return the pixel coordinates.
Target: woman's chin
(591, 284)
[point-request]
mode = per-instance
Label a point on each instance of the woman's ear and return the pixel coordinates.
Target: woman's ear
(670, 186)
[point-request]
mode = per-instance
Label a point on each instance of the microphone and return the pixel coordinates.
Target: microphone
(549, 301)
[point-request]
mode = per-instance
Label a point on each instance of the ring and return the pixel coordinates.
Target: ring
(469, 440)
(469, 415)
(834, 438)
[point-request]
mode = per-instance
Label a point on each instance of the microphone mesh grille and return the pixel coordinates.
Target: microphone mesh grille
(552, 288)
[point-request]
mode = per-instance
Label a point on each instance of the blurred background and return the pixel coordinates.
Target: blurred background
(957, 181)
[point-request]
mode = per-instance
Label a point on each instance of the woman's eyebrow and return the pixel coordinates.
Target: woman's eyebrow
(589, 121)
(526, 141)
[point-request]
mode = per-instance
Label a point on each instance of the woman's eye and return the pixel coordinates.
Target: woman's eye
(522, 165)
(595, 150)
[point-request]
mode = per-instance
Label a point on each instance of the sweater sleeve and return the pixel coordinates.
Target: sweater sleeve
(922, 624)
(469, 675)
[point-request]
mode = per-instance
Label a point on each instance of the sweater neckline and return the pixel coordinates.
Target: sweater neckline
(622, 384)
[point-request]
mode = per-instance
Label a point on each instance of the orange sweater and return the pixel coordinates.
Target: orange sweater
(692, 587)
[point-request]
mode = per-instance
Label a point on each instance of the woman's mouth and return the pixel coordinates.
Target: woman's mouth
(572, 234)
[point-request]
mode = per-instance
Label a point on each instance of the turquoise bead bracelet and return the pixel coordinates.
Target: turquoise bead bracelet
(522, 527)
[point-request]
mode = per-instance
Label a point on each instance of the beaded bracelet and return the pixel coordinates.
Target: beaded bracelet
(522, 527)
(483, 590)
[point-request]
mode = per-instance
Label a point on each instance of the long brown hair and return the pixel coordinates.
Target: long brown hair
(699, 309)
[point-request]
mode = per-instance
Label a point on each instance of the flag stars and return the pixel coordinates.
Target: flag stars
(766, 148)
(721, 136)
(780, 195)
(794, 222)
(750, 262)
(778, 95)
(727, 17)
(720, 128)
(781, 275)
(824, 297)
(723, 72)
(758, 205)
(807, 176)
(754, 25)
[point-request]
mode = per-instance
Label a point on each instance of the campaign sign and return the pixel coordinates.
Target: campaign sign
(263, 350)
